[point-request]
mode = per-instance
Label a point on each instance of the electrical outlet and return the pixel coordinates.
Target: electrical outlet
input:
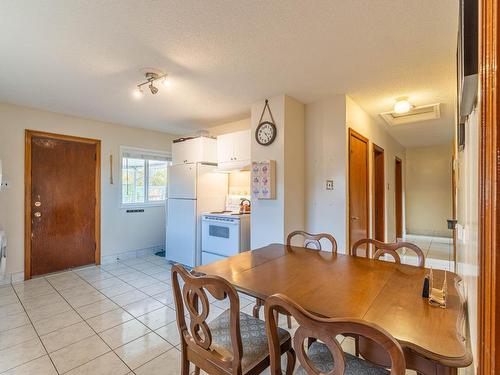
(329, 184)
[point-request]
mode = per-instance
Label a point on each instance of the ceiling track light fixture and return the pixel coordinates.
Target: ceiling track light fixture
(151, 78)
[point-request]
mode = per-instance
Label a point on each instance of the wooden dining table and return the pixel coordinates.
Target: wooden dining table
(380, 292)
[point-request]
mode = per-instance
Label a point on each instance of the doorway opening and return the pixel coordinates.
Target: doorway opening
(429, 202)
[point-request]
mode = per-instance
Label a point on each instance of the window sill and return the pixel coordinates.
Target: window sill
(141, 205)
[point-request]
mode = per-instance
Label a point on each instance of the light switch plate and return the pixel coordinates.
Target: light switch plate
(329, 184)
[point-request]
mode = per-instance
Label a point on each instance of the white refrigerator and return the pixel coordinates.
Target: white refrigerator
(192, 189)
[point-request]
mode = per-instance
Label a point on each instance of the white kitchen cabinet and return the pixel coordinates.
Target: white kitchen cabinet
(233, 148)
(195, 150)
(241, 145)
(224, 148)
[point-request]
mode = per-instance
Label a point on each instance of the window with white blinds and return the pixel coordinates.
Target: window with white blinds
(144, 176)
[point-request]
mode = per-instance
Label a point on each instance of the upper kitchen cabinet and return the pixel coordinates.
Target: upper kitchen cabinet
(233, 149)
(194, 150)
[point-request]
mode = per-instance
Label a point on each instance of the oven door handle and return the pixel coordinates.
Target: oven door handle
(219, 222)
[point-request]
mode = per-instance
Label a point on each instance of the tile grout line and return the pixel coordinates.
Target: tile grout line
(36, 332)
(133, 318)
(152, 331)
(85, 321)
(47, 280)
(97, 334)
(86, 324)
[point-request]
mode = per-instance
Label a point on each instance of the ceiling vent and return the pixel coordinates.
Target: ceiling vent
(416, 114)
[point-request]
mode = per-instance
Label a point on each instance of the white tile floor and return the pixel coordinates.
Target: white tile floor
(115, 319)
(438, 250)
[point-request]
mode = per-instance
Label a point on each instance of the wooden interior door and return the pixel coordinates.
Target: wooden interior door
(399, 198)
(378, 194)
(358, 187)
(62, 202)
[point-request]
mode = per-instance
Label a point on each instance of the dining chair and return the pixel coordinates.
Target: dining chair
(232, 343)
(325, 355)
(362, 345)
(382, 248)
(310, 241)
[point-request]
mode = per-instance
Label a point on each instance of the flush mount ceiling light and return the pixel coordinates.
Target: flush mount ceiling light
(151, 79)
(415, 114)
(402, 105)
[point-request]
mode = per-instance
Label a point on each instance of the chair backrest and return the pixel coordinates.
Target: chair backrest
(312, 240)
(325, 330)
(382, 248)
(197, 337)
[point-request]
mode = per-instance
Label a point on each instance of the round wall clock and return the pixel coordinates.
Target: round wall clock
(265, 134)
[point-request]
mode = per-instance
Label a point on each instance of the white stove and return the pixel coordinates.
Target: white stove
(224, 234)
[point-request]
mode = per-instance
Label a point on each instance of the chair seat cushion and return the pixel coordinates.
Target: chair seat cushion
(253, 337)
(320, 355)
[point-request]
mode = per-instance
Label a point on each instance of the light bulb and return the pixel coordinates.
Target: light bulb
(402, 106)
(138, 93)
(166, 82)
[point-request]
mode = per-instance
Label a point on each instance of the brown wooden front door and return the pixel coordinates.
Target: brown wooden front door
(399, 199)
(378, 194)
(358, 187)
(62, 200)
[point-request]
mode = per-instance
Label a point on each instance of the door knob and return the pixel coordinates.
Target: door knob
(38, 214)
(354, 218)
(38, 204)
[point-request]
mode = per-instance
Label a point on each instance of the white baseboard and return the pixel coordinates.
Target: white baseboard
(112, 258)
(11, 278)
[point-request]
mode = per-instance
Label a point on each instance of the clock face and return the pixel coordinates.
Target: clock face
(265, 133)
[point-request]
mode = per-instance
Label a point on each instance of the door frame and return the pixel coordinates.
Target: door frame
(353, 133)
(378, 149)
(489, 190)
(399, 220)
(29, 134)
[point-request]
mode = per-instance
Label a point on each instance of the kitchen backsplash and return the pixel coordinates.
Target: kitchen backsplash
(239, 183)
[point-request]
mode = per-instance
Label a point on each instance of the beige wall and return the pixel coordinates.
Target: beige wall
(272, 219)
(325, 150)
(428, 184)
(327, 124)
(360, 121)
(239, 183)
(230, 127)
(120, 231)
(467, 228)
(294, 165)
